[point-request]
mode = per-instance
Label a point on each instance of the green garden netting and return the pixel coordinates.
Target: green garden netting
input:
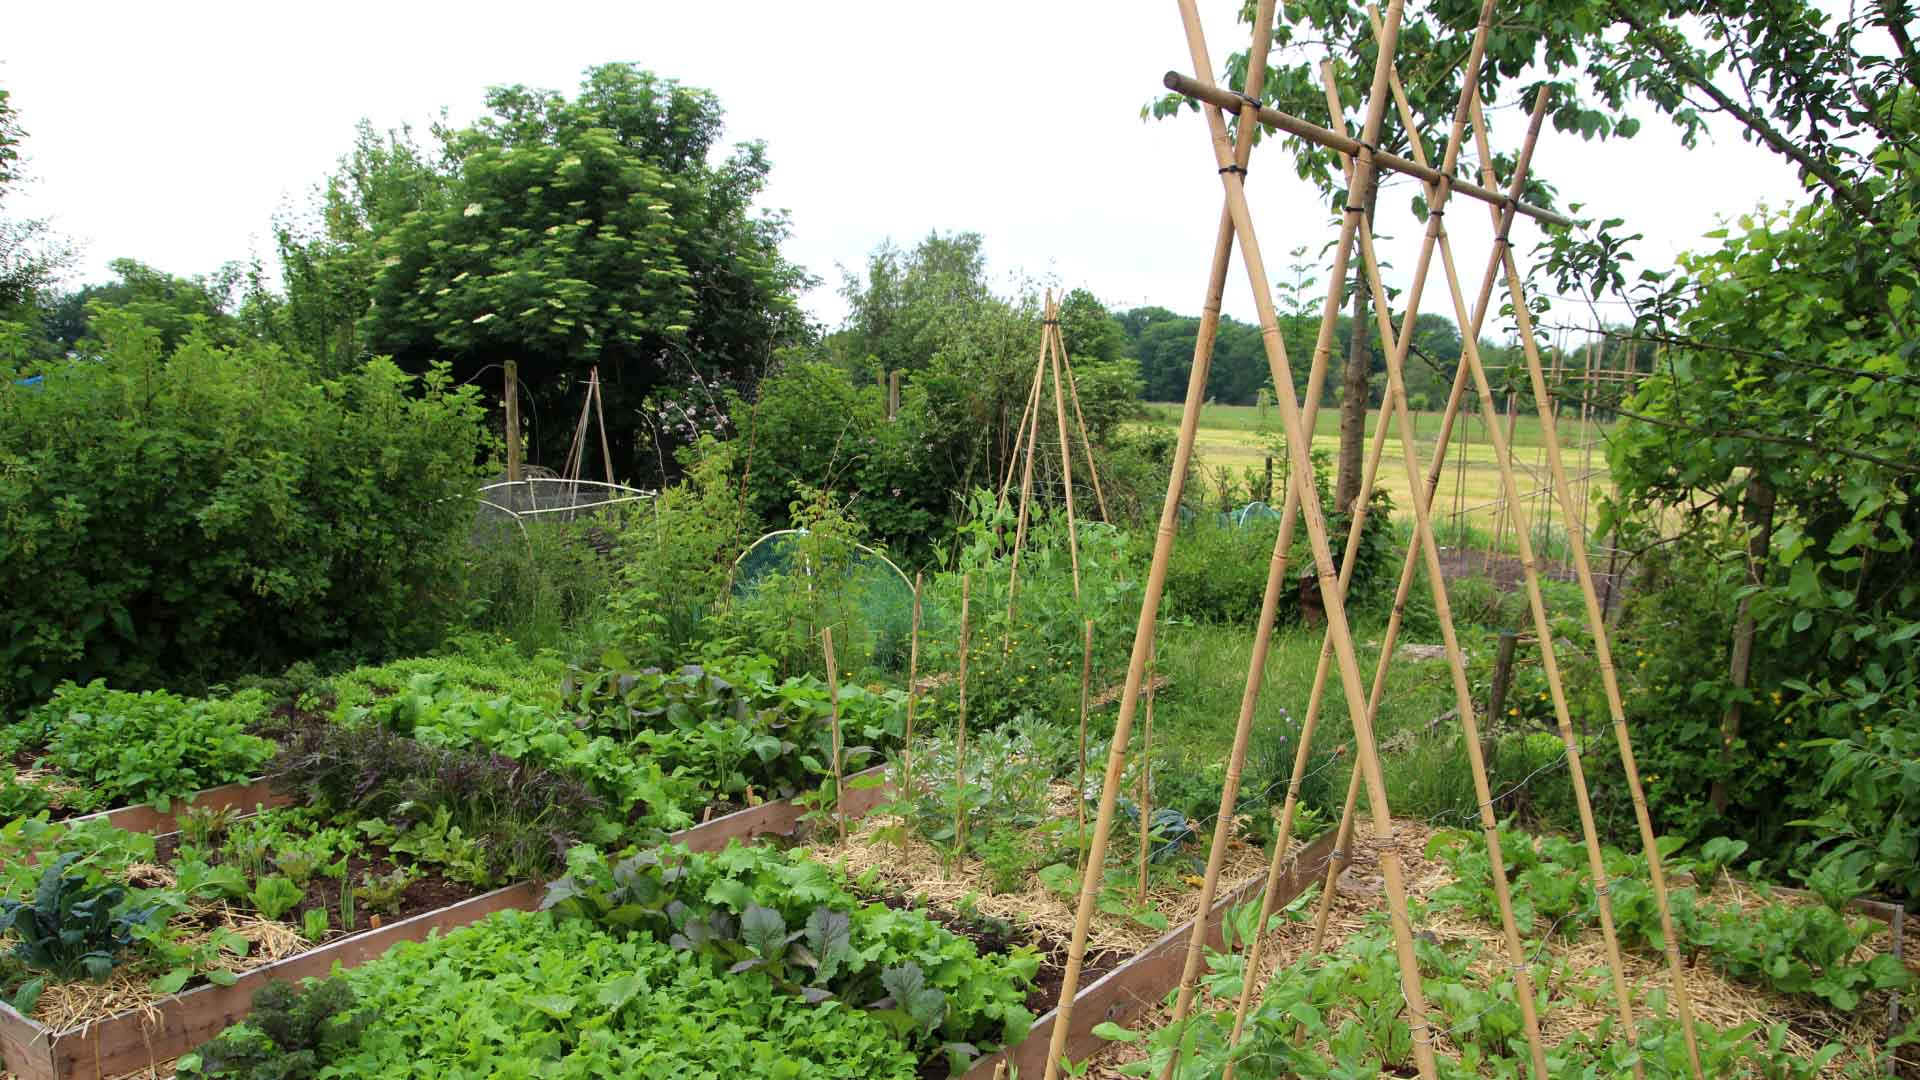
(813, 581)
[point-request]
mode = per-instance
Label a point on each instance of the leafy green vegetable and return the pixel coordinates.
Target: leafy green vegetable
(71, 927)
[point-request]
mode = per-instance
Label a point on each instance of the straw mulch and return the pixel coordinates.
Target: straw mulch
(920, 870)
(1577, 961)
(65, 1005)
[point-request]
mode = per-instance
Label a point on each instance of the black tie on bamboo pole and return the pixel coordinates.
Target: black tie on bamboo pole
(1302, 475)
(1603, 649)
(1162, 551)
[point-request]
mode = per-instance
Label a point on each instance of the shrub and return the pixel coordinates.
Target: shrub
(179, 519)
(1218, 569)
(677, 559)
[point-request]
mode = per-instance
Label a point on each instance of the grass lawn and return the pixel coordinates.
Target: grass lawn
(1238, 438)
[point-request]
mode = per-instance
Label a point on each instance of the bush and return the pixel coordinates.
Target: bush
(1218, 570)
(676, 561)
(180, 519)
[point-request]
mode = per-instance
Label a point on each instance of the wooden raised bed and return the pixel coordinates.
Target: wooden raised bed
(1143, 982)
(134, 1040)
(243, 796)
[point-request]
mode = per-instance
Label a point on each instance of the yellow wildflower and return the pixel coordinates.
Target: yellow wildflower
(1516, 712)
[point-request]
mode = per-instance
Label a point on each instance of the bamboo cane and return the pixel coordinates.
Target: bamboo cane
(600, 414)
(1146, 776)
(1026, 478)
(1066, 456)
(1020, 433)
(1503, 458)
(1086, 444)
(1303, 474)
(913, 690)
(1422, 497)
(1443, 612)
(1162, 548)
(1086, 679)
(960, 728)
(1403, 591)
(1396, 351)
(833, 707)
(1206, 94)
(1603, 651)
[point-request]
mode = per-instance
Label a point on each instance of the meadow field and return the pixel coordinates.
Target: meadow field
(1468, 506)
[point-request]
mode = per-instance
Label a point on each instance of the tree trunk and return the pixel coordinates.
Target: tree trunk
(1356, 388)
(1757, 509)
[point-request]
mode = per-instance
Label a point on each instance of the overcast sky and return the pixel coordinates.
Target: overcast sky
(172, 133)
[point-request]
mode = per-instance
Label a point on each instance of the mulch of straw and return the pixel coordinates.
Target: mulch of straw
(1577, 961)
(70, 1004)
(917, 869)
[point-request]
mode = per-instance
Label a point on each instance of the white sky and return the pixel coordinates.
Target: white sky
(173, 137)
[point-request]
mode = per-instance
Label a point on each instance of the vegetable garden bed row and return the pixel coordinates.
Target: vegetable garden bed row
(138, 1038)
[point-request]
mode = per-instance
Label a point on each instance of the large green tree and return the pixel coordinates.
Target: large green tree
(602, 230)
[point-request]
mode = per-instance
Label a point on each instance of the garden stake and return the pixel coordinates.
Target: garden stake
(833, 709)
(1026, 481)
(1052, 327)
(1423, 528)
(1080, 790)
(1302, 474)
(1503, 458)
(960, 730)
(1156, 573)
(1086, 444)
(1020, 433)
(913, 695)
(1146, 778)
(1603, 651)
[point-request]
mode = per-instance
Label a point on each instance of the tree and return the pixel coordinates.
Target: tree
(170, 306)
(32, 255)
(564, 234)
(909, 302)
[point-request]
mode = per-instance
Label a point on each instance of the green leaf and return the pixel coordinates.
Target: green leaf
(1112, 1032)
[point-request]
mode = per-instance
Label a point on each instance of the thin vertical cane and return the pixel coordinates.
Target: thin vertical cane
(913, 693)
(1303, 475)
(1603, 652)
(1164, 533)
(960, 726)
(1080, 784)
(833, 706)
(1066, 456)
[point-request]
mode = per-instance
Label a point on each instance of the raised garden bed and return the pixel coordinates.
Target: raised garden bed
(1137, 985)
(138, 1038)
(1746, 950)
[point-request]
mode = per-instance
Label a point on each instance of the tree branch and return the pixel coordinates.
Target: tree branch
(1684, 67)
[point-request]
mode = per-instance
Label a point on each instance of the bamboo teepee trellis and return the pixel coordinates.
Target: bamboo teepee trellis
(1054, 364)
(1363, 160)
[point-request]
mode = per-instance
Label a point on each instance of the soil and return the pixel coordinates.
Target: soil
(429, 892)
